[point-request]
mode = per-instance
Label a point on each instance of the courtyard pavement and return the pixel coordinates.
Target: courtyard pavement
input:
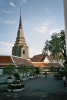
(37, 89)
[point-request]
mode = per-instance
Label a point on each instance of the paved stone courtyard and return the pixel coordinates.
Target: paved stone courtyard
(37, 89)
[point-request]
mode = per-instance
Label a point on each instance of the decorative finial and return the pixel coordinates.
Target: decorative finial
(20, 11)
(20, 22)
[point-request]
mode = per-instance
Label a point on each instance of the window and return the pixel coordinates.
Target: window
(23, 52)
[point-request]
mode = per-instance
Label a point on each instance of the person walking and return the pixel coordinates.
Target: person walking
(64, 80)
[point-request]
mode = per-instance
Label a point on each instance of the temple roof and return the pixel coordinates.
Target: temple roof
(6, 60)
(39, 58)
(48, 65)
(40, 61)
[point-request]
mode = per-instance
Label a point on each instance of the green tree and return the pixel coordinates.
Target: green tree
(56, 46)
(23, 69)
(9, 70)
(31, 70)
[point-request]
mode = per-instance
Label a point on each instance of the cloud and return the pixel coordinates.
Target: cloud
(12, 4)
(9, 22)
(23, 2)
(53, 31)
(43, 28)
(7, 12)
(33, 52)
(5, 48)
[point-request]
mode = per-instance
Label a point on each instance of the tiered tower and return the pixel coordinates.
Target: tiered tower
(20, 47)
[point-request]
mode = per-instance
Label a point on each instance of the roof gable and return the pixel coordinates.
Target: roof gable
(41, 58)
(47, 60)
(36, 58)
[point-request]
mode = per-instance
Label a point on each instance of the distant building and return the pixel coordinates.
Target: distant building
(20, 47)
(45, 61)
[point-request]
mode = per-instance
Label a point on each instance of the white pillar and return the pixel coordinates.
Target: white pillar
(65, 18)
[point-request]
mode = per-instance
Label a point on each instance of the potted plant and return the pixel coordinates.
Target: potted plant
(15, 87)
(9, 70)
(31, 72)
(23, 70)
(17, 76)
(37, 71)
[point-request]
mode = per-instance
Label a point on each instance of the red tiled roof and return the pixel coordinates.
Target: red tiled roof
(19, 60)
(5, 59)
(40, 58)
(37, 58)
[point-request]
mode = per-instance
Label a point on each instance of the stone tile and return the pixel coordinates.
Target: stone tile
(37, 89)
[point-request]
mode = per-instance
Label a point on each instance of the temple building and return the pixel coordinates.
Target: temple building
(45, 61)
(20, 55)
(20, 47)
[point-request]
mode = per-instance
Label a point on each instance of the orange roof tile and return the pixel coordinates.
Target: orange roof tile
(40, 58)
(37, 58)
(19, 60)
(47, 65)
(5, 59)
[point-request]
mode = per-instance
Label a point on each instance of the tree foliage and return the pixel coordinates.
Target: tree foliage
(23, 68)
(9, 69)
(56, 46)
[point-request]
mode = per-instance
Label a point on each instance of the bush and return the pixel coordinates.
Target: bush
(15, 85)
(16, 75)
(37, 70)
(60, 74)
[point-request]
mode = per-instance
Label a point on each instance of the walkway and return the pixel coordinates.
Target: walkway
(37, 89)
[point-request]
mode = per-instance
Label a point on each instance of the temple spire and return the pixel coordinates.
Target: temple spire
(20, 22)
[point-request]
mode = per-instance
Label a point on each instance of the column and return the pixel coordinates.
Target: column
(65, 18)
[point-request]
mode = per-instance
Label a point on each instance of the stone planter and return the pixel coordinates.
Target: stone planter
(16, 90)
(23, 79)
(18, 80)
(27, 78)
(31, 77)
(15, 87)
(9, 80)
(37, 75)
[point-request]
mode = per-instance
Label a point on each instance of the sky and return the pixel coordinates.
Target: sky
(40, 18)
